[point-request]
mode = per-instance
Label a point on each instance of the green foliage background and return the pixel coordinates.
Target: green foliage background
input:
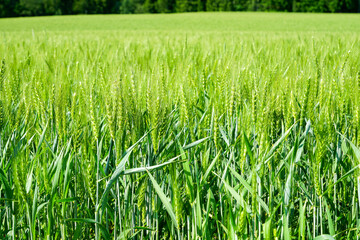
(11, 8)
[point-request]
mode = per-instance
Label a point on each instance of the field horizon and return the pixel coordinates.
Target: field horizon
(205, 21)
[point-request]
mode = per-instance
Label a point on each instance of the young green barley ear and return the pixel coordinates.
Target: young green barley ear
(60, 114)
(2, 74)
(254, 104)
(92, 116)
(356, 122)
(239, 109)
(184, 116)
(232, 103)
(2, 79)
(15, 87)
(321, 97)
(293, 108)
(89, 172)
(305, 103)
(216, 132)
(242, 221)
(45, 175)
(141, 200)
(39, 102)
(357, 110)
(176, 194)
(57, 106)
(110, 115)
(19, 114)
(75, 123)
(19, 176)
(206, 123)
(2, 116)
(7, 100)
(148, 98)
(51, 104)
(320, 134)
(163, 88)
(203, 80)
(73, 107)
(120, 126)
(155, 122)
(133, 93)
(83, 99)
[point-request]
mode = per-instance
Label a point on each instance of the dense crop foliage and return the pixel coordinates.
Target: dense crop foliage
(182, 135)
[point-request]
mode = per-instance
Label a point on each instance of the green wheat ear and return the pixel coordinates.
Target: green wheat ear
(184, 114)
(19, 179)
(242, 222)
(231, 103)
(111, 111)
(216, 132)
(2, 74)
(2, 115)
(254, 104)
(155, 124)
(93, 117)
(141, 200)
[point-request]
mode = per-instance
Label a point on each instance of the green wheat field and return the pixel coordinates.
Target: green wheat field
(180, 126)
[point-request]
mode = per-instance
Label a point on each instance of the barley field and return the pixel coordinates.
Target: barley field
(180, 126)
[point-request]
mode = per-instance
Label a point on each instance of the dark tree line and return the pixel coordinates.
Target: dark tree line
(12, 8)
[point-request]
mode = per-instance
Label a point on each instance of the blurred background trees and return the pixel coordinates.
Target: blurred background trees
(13, 8)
